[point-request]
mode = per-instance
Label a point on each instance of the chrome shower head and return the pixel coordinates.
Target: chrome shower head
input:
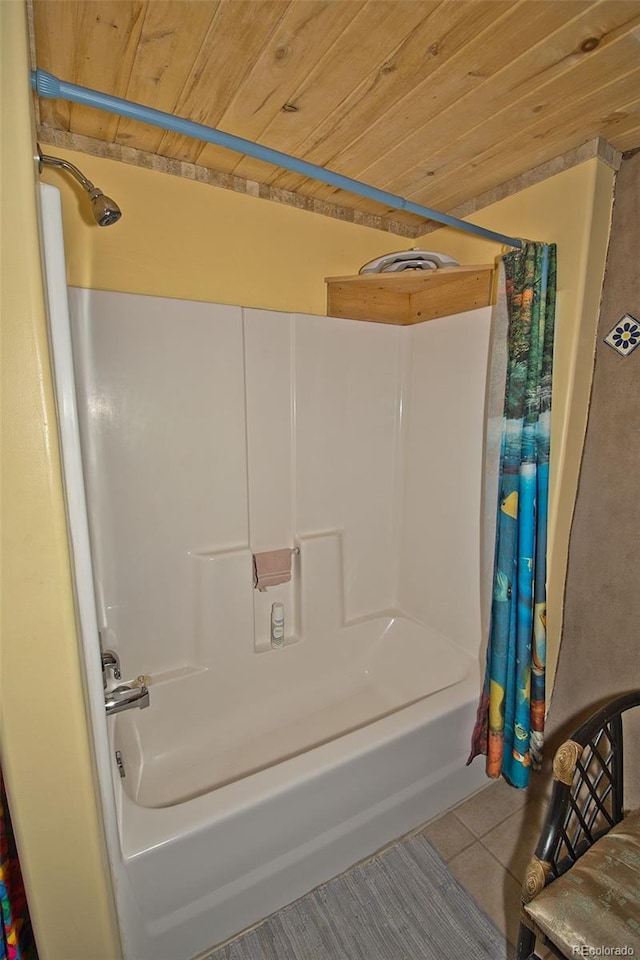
(105, 210)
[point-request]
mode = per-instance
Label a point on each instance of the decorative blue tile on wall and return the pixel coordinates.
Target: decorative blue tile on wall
(624, 336)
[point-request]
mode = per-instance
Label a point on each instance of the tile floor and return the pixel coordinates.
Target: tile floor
(487, 842)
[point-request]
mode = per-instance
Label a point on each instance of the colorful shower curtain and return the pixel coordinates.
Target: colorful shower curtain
(16, 937)
(510, 724)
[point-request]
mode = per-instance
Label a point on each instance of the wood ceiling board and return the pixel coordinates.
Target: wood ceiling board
(622, 120)
(497, 100)
(630, 141)
(171, 36)
(557, 131)
(401, 96)
(517, 126)
(389, 90)
(218, 70)
(556, 134)
(107, 40)
(370, 39)
(301, 39)
(621, 124)
(455, 89)
(593, 86)
(500, 90)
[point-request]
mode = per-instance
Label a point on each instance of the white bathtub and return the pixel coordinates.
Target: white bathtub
(203, 869)
(230, 812)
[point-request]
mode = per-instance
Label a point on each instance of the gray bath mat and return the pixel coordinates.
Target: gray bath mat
(401, 905)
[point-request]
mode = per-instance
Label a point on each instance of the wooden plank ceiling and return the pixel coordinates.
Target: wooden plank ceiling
(439, 101)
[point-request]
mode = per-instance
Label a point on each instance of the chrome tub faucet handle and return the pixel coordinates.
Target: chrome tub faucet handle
(111, 661)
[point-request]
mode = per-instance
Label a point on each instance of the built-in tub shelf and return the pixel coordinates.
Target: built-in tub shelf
(411, 296)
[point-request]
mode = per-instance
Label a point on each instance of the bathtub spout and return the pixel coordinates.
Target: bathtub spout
(126, 697)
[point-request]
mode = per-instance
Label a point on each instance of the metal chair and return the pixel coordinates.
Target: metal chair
(582, 886)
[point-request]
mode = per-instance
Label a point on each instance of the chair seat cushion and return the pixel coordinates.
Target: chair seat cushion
(596, 903)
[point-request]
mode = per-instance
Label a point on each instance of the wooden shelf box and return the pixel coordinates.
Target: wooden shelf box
(411, 296)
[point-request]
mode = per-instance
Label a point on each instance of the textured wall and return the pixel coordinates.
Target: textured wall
(599, 653)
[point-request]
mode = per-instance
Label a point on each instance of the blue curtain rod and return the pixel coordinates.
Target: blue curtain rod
(46, 85)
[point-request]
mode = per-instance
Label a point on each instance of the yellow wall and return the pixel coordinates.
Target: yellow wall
(180, 238)
(46, 755)
(573, 210)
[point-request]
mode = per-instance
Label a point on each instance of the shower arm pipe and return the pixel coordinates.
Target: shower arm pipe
(65, 165)
(46, 85)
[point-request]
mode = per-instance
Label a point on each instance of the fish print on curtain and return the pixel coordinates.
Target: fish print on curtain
(510, 724)
(16, 937)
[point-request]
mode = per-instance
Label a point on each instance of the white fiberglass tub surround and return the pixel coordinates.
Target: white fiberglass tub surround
(210, 433)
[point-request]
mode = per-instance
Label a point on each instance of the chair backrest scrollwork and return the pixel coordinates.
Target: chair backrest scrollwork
(587, 797)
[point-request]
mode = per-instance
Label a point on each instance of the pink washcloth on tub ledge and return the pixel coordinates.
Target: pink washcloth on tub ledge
(271, 568)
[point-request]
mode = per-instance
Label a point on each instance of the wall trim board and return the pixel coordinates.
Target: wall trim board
(412, 228)
(599, 148)
(194, 171)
